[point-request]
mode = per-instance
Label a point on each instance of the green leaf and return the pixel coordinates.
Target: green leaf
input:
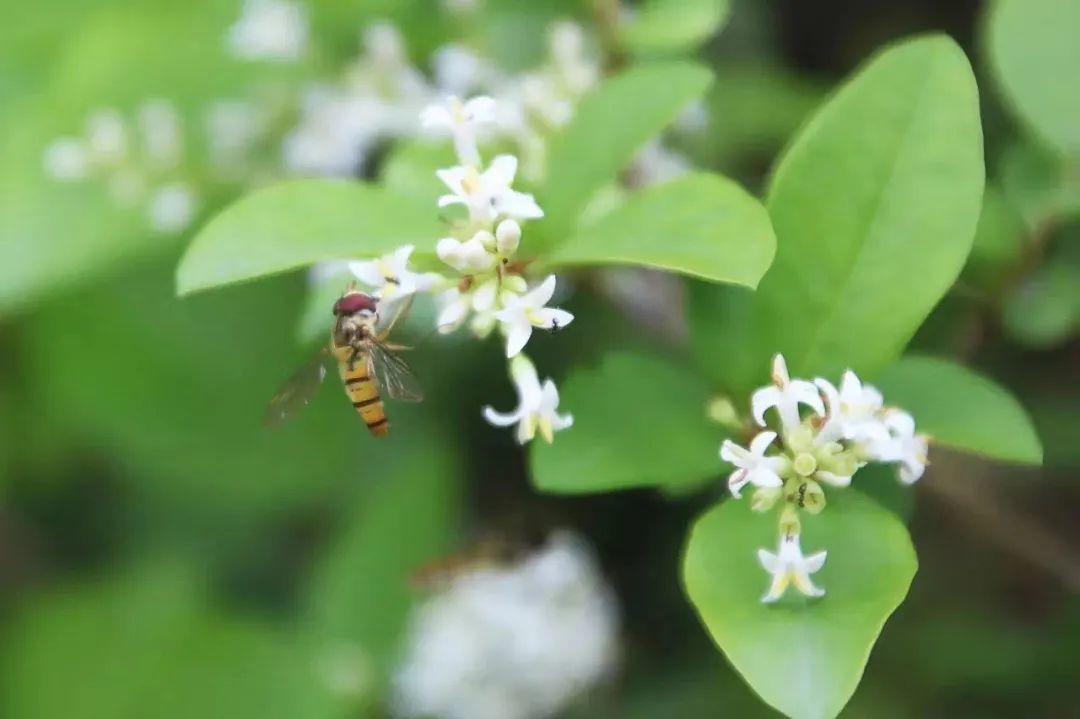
(299, 223)
(360, 594)
(805, 658)
(1032, 44)
(639, 421)
(701, 225)
(1040, 184)
(672, 26)
(1044, 311)
(961, 409)
(608, 129)
(874, 206)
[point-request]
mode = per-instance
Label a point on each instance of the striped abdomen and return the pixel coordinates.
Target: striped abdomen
(362, 391)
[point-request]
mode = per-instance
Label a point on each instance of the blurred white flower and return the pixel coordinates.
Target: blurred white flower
(656, 164)
(488, 195)
(536, 408)
(106, 137)
(789, 567)
(270, 30)
(390, 276)
(460, 120)
(460, 71)
(521, 313)
(66, 160)
(335, 134)
(752, 465)
(172, 208)
(785, 395)
(233, 127)
(514, 642)
(162, 136)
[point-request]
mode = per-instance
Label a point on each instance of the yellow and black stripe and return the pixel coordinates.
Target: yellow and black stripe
(362, 391)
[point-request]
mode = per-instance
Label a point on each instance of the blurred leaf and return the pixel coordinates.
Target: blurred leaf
(805, 658)
(410, 171)
(1044, 310)
(998, 245)
(700, 225)
(661, 27)
(639, 421)
(316, 319)
(959, 408)
(144, 645)
(360, 595)
(609, 128)
(1032, 44)
(299, 223)
(880, 483)
(874, 206)
(1044, 187)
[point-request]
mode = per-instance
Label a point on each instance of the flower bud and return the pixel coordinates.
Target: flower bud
(486, 240)
(508, 234)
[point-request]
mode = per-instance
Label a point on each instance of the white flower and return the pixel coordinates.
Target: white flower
(471, 256)
(66, 159)
(172, 208)
(786, 395)
(753, 466)
(461, 121)
(536, 405)
(270, 30)
(790, 567)
(902, 446)
(854, 411)
(390, 275)
(233, 127)
(510, 641)
(488, 194)
(523, 312)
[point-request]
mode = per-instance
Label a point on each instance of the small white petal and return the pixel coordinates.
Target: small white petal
(517, 337)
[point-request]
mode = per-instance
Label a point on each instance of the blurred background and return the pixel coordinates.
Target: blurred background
(162, 554)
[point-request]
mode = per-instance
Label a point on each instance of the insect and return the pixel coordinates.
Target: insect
(370, 367)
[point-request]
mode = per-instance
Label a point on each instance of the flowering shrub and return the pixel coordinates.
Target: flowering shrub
(511, 198)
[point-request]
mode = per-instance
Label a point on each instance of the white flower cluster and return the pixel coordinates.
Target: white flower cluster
(138, 160)
(517, 642)
(845, 429)
(488, 291)
(270, 30)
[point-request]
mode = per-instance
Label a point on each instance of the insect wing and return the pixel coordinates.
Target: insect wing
(393, 375)
(298, 391)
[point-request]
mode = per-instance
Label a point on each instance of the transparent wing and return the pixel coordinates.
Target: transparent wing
(393, 375)
(298, 391)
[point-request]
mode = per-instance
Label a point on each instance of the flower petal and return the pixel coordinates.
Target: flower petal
(517, 337)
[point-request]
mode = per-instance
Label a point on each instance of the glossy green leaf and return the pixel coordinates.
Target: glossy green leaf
(670, 26)
(700, 225)
(299, 223)
(1032, 44)
(874, 206)
(959, 408)
(804, 657)
(608, 129)
(639, 421)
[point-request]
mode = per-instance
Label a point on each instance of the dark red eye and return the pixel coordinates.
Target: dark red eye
(354, 302)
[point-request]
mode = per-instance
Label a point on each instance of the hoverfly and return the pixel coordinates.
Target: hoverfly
(369, 366)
